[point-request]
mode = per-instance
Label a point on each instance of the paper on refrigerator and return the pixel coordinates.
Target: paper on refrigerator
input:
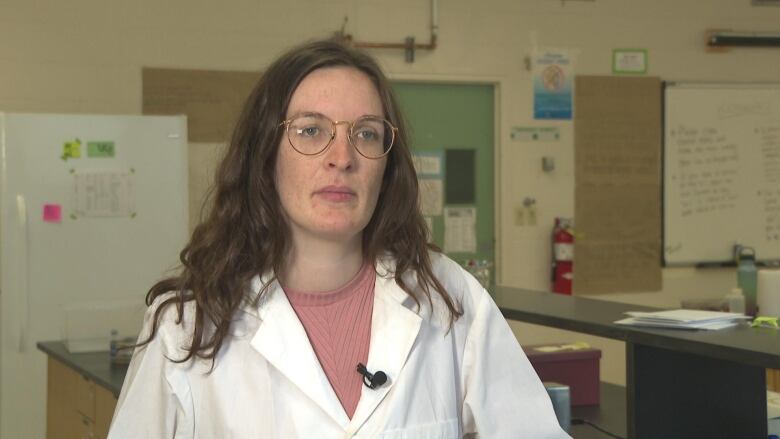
(104, 193)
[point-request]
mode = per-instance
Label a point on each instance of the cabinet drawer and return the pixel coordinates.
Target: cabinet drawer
(70, 388)
(62, 418)
(76, 407)
(84, 397)
(105, 403)
(773, 380)
(87, 428)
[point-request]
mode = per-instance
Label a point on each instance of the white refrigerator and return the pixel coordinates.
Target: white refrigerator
(94, 210)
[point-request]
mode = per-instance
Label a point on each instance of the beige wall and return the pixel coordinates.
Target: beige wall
(86, 56)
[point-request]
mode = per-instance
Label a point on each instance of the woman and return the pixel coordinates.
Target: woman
(309, 303)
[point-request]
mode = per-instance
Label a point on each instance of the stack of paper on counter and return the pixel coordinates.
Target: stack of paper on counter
(683, 319)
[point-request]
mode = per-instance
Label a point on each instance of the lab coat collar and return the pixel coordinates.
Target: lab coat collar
(394, 329)
(281, 339)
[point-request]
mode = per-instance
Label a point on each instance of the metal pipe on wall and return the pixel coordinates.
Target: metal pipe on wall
(409, 45)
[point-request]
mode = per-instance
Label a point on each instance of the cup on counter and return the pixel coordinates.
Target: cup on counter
(768, 299)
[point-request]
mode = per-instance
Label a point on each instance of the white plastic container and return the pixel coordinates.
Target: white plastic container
(87, 326)
(769, 292)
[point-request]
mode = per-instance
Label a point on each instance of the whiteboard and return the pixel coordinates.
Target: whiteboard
(721, 171)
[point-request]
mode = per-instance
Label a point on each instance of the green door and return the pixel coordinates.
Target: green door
(453, 124)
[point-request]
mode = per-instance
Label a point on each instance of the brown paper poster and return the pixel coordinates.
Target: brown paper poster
(617, 141)
(211, 99)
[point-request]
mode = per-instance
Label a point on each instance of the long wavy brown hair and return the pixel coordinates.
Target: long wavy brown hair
(245, 232)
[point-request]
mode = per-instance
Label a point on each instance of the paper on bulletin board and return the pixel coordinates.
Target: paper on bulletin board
(553, 74)
(211, 99)
(104, 194)
(460, 233)
(617, 184)
(429, 225)
(431, 196)
(428, 163)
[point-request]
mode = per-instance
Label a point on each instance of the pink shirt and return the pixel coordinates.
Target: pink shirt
(338, 324)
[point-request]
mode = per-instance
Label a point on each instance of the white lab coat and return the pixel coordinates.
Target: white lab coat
(268, 383)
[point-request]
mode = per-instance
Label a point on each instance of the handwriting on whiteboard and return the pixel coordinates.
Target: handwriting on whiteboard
(708, 166)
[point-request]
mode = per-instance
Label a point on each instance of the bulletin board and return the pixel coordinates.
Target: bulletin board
(721, 171)
(453, 124)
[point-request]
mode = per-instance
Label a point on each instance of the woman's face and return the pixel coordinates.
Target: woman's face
(331, 195)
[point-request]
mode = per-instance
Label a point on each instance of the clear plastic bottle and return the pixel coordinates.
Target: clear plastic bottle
(736, 301)
(114, 345)
(747, 277)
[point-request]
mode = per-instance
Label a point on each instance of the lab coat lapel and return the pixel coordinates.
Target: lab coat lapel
(394, 328)
(282, 340)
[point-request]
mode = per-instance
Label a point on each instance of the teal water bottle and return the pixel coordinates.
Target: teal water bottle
(747, 277)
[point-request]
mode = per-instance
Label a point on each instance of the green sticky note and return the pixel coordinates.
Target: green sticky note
(71, 150)
(100, 149)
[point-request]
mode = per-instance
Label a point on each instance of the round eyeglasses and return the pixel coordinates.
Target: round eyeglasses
(312, 133)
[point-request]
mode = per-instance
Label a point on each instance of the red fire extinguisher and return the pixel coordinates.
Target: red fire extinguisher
(563, 256)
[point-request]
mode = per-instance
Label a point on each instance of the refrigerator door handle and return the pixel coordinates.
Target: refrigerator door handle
(24, 296)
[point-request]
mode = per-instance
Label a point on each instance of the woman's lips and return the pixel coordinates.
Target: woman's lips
(336, 193)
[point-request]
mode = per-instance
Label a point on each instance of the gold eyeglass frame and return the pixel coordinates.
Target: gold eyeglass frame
(335, 124)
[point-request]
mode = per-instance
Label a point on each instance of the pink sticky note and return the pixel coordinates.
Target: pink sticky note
(52, 213)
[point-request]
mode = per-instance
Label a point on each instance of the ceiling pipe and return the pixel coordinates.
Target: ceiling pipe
(409, 45)
(744, 39)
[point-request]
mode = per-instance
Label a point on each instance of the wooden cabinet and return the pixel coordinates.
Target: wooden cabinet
(105, 403)
(773, 380)
(76, 407)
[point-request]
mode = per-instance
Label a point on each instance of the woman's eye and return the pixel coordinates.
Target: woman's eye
(308, 131)
(367, 135)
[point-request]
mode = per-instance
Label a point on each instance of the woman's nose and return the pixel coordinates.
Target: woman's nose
(341, 154)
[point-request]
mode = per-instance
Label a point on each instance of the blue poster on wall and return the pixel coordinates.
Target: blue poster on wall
(552, 81)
